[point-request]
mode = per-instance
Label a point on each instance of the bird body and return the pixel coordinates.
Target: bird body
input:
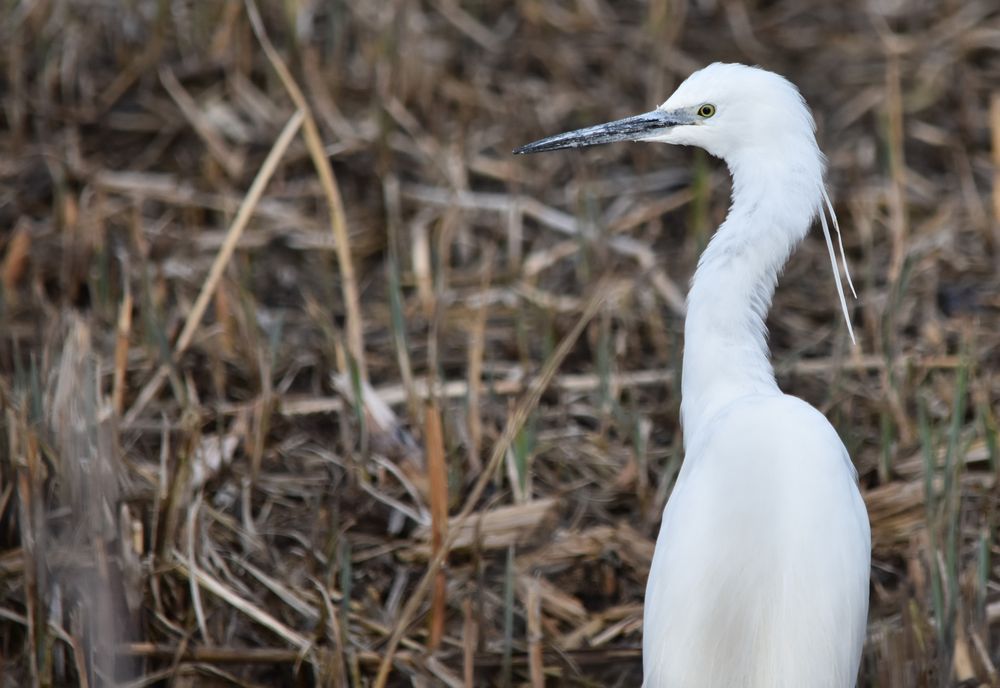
(759, 577)
(760, 573)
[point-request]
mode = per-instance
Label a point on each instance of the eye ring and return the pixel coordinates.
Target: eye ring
(706, 110)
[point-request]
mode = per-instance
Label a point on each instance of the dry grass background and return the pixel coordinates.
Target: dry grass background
(307, 381)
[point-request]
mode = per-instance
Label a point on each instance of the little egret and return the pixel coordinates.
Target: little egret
(760, 574)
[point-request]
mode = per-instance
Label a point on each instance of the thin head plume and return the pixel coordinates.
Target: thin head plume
(840, 240)
(833, 263)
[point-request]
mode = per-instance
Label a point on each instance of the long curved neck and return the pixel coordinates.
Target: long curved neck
(725, 348)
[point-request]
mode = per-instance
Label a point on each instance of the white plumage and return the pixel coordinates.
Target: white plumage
(760, 575)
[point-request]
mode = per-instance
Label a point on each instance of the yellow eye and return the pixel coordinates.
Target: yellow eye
(706, 110)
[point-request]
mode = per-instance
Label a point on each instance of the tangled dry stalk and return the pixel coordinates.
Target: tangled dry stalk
(306, 381)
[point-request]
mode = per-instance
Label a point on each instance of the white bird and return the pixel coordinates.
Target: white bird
(760, 573)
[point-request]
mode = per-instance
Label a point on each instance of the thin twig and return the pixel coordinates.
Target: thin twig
(338, 222)
(221, 261)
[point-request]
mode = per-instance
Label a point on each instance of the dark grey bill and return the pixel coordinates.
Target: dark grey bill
(629, 129)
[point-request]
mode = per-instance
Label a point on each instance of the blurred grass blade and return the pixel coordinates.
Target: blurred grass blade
(509, 577)
(437, 480)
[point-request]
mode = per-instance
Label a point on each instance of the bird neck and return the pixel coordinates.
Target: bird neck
(725, 336)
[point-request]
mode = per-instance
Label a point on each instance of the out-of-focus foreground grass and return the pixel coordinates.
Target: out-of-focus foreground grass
(303, 376)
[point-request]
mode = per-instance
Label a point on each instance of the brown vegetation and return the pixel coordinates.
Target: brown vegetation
(305, 380)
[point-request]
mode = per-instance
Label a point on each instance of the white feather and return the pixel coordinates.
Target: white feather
(840, 241)
(836, 269)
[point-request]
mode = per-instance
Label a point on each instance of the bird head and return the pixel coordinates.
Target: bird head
(727, 109)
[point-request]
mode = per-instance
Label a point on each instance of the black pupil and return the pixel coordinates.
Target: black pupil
(706, 110)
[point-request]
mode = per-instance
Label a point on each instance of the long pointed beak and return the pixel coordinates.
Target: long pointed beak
(634, 128)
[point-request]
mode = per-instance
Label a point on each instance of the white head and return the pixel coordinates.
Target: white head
(731, 108)
(727, 109)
